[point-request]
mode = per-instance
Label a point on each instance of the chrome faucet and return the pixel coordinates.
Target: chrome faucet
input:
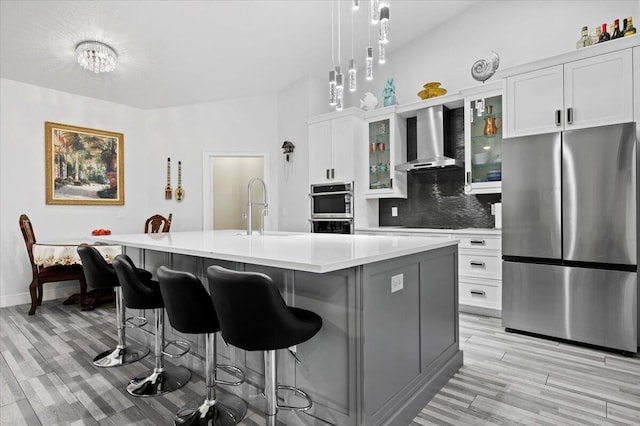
(250, 204)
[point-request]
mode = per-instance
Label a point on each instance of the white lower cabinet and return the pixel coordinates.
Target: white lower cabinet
(479, 266)
(480, 274)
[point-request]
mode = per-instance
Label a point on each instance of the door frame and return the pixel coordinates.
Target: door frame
(207, 180)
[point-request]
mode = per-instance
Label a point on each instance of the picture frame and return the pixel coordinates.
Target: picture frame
(83, 166)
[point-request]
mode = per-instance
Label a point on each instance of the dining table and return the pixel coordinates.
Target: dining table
(65, 253)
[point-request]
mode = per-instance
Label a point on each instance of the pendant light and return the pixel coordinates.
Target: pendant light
(353, 83)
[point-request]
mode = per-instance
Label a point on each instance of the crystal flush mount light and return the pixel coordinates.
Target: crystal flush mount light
(95, 56)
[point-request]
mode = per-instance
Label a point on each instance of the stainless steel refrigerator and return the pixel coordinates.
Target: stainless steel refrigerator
(570, 235)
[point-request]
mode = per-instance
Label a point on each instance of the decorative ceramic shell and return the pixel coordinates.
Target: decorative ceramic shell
(484, 68)
(369, 102)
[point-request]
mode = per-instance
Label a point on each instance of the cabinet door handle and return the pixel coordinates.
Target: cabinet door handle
(477, 242)
(333, 173)
(478, 292)
(468, 178)
(570, 115)
(327, 173)
(476, 263)
(558, 117)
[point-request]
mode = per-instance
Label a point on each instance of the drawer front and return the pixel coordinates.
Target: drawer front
(477, 263)
(492, 242)
(481, 295)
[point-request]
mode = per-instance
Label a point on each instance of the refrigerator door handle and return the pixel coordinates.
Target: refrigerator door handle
(558, 117)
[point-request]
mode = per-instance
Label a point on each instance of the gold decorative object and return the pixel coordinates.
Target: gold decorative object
(431, 90)
(167, 189)
(179, 190)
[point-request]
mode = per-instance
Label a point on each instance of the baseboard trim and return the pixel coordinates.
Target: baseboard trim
(497, 313)
(51, 291)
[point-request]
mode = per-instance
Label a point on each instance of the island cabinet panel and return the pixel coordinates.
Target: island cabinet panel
(438, 282)
(409, 335)
(327, 368)
(391, 333)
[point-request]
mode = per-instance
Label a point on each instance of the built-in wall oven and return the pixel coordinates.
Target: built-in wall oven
(332, 208)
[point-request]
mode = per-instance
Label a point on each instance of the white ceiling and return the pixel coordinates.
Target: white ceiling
(185, 52)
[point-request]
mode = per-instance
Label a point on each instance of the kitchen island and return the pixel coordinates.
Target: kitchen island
(389, 339)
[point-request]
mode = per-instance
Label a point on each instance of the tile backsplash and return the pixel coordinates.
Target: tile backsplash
(436, 198)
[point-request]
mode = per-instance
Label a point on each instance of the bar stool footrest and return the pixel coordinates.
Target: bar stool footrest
(185, 346)
(232, 371)
(300, 393)
(131, 322)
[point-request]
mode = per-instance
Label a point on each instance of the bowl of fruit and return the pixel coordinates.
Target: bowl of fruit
(101, 231)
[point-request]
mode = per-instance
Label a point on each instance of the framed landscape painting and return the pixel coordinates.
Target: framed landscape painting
(83, 166)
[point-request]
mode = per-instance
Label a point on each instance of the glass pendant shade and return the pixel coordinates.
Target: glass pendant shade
(333, 94)
(340, 97)
(375, 11)
(96, 57)
(383, 32)
(369, 64)
(353, 84)
(381, 54)
(339, 79)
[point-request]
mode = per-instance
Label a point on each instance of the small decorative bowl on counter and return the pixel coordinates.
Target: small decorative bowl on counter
(432, 90)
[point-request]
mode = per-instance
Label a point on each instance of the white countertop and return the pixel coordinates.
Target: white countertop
(405, 230)
(298, 251)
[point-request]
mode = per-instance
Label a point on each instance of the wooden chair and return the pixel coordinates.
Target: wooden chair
(157, 223)
(55, 273)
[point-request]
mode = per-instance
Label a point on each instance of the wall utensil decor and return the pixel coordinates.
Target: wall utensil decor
(179, 190)
(83, 166)
(167, 189)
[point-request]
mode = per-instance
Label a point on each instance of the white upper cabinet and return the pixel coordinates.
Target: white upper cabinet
(384, 148)
(483, 140)
(589, 92)
(534, 101)
(332, 140)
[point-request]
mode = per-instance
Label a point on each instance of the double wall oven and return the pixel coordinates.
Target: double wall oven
(332, 208)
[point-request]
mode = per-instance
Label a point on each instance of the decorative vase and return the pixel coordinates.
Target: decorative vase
(490, 126)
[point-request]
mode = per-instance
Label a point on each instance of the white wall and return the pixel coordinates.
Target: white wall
(231, 127)
(245, 126)
(520, 31)
(296, 103)
(23, 110)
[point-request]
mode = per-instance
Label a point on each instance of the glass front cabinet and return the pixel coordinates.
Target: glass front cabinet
(384, 150)
(483, 142)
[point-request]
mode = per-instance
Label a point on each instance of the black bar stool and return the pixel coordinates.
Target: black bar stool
(190, 310)
(254, 317)
(99, 274)
(145, 294)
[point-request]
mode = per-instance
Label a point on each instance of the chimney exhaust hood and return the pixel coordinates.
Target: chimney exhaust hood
(427, 146)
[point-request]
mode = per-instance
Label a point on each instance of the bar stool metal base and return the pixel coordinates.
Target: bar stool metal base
(159, 381)
(226, 410)
(120, 356)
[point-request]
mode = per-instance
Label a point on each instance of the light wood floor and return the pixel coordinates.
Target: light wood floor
(46, 377)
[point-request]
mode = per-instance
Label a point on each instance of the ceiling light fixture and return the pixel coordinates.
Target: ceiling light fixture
(378, 14)
(97, 57)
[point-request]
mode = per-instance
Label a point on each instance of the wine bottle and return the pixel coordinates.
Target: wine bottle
(629, 29)
(615, 29)
(584, 40)
(596, 38)
(604, 36)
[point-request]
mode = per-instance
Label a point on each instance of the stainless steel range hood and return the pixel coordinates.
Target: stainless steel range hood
(430, 151)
